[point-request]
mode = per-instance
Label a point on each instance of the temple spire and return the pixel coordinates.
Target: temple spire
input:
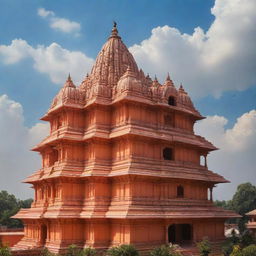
(69, 82)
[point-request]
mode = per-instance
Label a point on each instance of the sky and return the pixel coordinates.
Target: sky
(208, 46)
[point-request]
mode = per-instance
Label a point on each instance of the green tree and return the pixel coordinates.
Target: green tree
(243, 201)
(204, 247)
(123, 250)
(9, 206)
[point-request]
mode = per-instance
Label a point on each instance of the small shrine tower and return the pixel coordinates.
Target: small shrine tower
(122, 164)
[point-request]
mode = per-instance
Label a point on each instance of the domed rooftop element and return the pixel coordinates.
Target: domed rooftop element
(68, 94)
(129, 82)
(168, 88)
(184, 99)
(112, 61)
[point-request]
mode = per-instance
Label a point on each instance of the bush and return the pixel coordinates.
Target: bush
(204, 247)
(165, 250)
(249, 250)
(236, 251)
(5, 251)
(247, 239)
(73, 250)
(89, 252)
(46, 252)
(123, 250)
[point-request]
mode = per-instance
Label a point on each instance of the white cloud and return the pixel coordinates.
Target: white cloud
(236, 158)
(53, 60)
(16, 159)
(60, 24)
(222, 58)
(44, 13)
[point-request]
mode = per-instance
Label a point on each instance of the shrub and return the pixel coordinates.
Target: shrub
(249, 250)
(227, 248)
(236, 251)
(165, 250)
(73, 250)
(89, 252)
(5, 251)
(204, 247)
(247, 239)
(123, 250)
(46, 252)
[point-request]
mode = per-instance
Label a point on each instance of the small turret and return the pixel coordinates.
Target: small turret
(184, 99)
(68, 94)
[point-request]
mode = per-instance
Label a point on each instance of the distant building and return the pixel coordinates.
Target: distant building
(251, 225)
(122, 164)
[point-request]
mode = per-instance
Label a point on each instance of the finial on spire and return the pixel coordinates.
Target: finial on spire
(181, 89)
(69, 77)
(114, 32)
(168, 77)
(155, 79)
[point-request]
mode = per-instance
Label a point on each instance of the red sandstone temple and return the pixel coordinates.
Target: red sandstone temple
(122, 164)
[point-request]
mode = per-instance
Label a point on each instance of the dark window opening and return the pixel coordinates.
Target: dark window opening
(168, 154)
(171, 101)
(180, 191)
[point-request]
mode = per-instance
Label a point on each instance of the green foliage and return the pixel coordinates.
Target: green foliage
(89, 252)
(247, 239)
(165, 250)
(243, 201)
(204, 247)
(46, 252)
(5, 251)
(123, 250)
(236, 251)
(249, 250)
(73, 250)
(9, 206)
(228, 245)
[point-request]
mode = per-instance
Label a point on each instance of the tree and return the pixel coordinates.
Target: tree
(9, 206)
(243, 201)
(204, 247)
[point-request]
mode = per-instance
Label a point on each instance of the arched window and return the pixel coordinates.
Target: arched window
(171, 101)
(168, 154)
(180, 191)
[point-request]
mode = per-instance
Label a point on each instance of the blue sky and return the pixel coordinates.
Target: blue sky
(223, 83)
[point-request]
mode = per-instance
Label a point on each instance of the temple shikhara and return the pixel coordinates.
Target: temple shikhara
(122, 164)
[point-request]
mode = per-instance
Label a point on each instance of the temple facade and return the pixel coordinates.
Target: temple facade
(122, 164)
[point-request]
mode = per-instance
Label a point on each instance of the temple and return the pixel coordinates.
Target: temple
(122, 164)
